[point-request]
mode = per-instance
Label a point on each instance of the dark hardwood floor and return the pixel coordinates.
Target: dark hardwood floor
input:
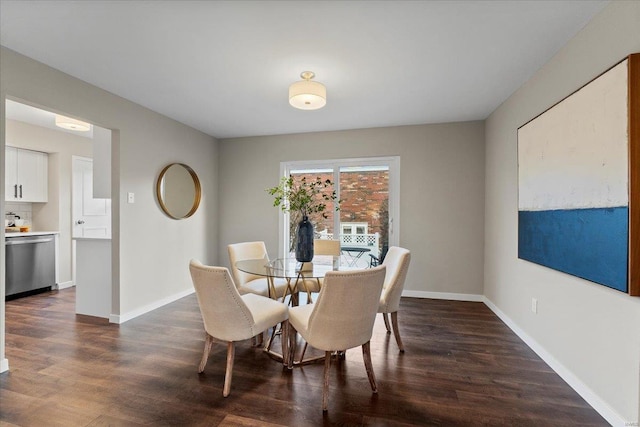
(462, 366)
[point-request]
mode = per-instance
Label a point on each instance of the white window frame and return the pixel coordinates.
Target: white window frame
(354, 227)
(393, 162)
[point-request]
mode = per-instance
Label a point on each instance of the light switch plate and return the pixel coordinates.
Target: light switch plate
(131, 198)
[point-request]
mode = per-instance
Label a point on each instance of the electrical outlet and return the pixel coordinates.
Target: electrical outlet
(131, 198)
(534, 305)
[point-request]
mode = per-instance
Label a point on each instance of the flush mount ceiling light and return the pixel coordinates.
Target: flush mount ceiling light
(307, 95)
(72, 124)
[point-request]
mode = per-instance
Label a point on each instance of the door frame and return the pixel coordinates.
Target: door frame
(115, 286)
(393, 162)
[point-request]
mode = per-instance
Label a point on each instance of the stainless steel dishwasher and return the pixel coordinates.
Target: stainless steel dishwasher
(30, 263)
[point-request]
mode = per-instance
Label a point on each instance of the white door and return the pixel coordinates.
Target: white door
(91, 217)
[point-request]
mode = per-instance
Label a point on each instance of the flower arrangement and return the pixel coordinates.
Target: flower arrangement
(306, 202)
(305, 197)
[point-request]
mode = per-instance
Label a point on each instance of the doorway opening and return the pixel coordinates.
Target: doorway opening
(37, 132)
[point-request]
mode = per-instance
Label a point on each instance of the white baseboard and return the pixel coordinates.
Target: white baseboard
(4, 365)
(65, 285)
(581, 388)
(443, 295)
(121, 318)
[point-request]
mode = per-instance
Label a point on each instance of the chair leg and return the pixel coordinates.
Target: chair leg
(304, 349)
(284, 339)
(386, 322)
(208, 341)
(366, 355)
(291, 332)
(274, 330)
(325, 386)
(231, 350)
(257, 340)
(396, 331)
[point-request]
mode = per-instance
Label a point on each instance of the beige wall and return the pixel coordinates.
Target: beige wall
(55, 215)
(151, 252)
(442, 195)
(592, 332)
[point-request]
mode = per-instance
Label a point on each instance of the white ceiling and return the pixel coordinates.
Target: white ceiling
(224, 67)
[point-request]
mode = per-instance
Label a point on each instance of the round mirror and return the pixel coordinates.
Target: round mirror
(178, 191)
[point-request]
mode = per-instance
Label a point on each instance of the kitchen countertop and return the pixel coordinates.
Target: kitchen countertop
(29, 233)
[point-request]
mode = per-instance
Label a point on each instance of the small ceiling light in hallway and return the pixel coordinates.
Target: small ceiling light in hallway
(72, 124)
(307, 95)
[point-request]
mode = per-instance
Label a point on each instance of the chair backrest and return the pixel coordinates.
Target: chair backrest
(326, 247)
(225, 315)
(344, 314)
(397, 262)
(242, 251)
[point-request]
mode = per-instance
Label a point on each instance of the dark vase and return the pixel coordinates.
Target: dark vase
(304, 245)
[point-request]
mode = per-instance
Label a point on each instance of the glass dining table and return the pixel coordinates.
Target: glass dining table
(296, 274)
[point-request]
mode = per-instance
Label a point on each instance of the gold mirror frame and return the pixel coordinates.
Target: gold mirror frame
(160, 183)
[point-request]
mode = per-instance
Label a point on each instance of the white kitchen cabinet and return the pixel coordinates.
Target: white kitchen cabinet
(25, 176)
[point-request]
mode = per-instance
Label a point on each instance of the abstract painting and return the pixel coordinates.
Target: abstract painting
(573, 183)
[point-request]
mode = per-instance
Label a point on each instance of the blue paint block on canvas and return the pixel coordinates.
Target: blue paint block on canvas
(588, 243)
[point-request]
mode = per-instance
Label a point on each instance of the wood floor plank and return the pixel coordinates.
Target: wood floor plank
(237, 421)
(462, 367)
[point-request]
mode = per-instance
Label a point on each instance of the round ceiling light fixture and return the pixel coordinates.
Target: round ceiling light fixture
(72, 124)
(307, 95)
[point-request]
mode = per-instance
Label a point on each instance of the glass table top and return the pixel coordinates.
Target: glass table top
(290, 268)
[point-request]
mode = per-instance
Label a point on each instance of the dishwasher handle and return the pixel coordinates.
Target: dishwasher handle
(22, 241)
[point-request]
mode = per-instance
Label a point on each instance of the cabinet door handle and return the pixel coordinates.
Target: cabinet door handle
(21, 191)
(15, 191)
(80, 222)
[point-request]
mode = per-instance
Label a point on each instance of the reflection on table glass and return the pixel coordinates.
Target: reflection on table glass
(352, 254)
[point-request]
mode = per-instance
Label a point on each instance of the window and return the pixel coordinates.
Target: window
(354, 227)
(368, 189)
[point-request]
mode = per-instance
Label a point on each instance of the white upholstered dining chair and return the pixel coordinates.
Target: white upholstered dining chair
(229, 316)
(251, 283)
(397, 262)
(341, 318)
(326, 247)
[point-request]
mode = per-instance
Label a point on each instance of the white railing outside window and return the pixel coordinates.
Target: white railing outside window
(368, 241)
